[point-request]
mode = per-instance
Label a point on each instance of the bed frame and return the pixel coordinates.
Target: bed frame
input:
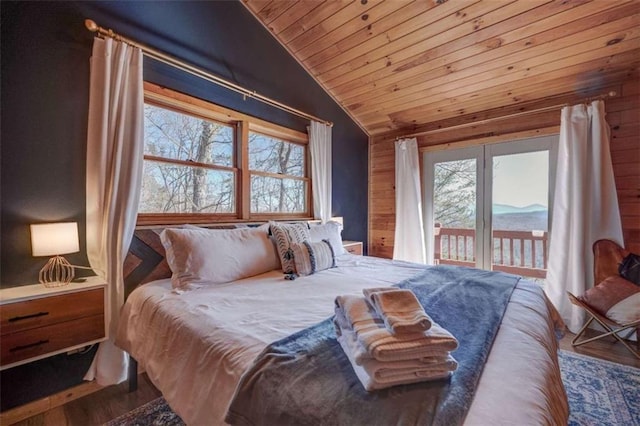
(145, 262)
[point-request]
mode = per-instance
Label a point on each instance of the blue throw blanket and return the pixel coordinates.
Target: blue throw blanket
(306, 378)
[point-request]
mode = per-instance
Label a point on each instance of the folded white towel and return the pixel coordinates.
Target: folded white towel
(370, 383)
(382, 344)
(385, 370)
(399, 309)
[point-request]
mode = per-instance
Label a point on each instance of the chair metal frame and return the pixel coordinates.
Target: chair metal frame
(612, 328)
(607, 256)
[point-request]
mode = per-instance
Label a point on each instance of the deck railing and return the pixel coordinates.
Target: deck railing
(517, 252)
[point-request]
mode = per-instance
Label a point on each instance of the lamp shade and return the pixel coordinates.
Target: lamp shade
(48, 239)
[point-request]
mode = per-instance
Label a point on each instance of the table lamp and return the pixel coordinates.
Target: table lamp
(55, 239)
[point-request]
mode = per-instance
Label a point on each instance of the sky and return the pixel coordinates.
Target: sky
(521, 179)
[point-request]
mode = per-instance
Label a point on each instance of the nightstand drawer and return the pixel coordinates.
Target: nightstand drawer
(353, 247)
(38, 341)
(25, 315)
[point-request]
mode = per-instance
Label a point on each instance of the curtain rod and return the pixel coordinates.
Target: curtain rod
(610, 94)
(169, 60)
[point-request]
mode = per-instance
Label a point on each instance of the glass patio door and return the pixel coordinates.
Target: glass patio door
(453, 211)
(489, 206)
(518, 178)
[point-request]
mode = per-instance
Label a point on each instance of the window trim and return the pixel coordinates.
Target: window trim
(179, 102)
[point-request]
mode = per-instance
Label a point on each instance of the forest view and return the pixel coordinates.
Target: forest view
(190, 167)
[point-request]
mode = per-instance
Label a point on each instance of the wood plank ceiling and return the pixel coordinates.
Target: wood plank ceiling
(400, 66)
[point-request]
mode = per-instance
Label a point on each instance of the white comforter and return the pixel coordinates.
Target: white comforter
(195, 346)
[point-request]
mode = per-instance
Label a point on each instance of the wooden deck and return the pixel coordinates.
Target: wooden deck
(516, 252)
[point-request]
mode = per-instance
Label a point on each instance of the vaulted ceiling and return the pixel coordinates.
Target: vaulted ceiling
(399, 65)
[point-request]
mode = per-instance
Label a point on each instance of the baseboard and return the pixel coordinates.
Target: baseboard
(39, 406)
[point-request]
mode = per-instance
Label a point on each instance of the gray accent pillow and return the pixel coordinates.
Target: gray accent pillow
(311, 257)
(284, 234)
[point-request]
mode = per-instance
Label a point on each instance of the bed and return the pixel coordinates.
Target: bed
(196, 345)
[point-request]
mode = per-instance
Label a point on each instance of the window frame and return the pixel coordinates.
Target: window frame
(304, 178)
(243, 124)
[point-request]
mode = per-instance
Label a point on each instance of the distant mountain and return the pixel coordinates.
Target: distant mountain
(507, 209)
(521, 221)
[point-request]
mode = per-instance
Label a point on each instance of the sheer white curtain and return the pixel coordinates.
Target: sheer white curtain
(585, 206)
(320, 148)
(409, 236)
(114, 172)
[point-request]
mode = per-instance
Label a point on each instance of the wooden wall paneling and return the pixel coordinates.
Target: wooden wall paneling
(607, 56)
(625, 153)
(406, 36)
(425, 51)
(341, 17)
(515, 94)
(293, 14)
(507, 57)
(623, 114)
(257, 5)
(354, 58)
(328, 44)
(515, 98)
(471, 50)
(373, 29)
(398, 65)
(273, 10)
(296, 28)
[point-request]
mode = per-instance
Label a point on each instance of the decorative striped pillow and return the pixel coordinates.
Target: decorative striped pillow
(310, 258)
(284, 235)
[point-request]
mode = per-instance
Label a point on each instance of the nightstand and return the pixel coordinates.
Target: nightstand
(353, 247)
(38, 322)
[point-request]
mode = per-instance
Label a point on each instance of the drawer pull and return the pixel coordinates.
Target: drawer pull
(24, 317)
(30, 345)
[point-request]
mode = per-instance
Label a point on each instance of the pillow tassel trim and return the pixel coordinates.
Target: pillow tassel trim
(333, 254)
(312, 256)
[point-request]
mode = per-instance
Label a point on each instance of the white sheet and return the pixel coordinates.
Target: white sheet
(195, 346)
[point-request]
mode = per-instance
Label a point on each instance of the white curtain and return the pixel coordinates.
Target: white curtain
(585, 206)
(114, 171)
(320, 148)
(409, 236)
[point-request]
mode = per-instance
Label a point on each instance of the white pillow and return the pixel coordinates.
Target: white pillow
(284, 234)
(215, 256)
(311, 257)
(328, 231)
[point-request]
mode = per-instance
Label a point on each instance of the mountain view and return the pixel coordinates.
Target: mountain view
(532, 217)
(505, 208)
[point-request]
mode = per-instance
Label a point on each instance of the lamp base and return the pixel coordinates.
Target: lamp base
(56, 273)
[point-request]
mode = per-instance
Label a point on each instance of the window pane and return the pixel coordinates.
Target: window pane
(454, 192)
(274, 195)
(174, 135)
(267, 154)
(174, 188)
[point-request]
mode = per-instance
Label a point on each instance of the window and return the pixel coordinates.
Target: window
(277, 168)
(205, 163)
(188, 165)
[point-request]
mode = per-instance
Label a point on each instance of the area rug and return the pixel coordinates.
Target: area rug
(153, 413)
(600, 393)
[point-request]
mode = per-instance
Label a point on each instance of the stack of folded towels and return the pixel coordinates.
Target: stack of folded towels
(390, 340)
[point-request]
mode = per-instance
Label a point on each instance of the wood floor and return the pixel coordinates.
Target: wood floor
(111, 402)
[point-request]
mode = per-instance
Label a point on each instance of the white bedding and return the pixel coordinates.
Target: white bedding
(196, 345)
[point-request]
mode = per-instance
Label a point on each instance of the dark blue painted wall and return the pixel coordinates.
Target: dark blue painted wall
(44, 97)
(45, 68)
